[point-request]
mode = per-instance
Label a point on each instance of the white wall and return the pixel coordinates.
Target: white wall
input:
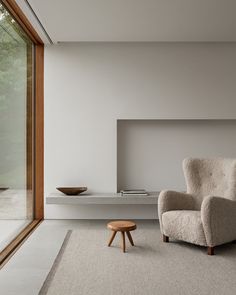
(150, 152)
(89, 86)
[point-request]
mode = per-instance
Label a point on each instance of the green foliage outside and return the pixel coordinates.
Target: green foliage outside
(13, 86)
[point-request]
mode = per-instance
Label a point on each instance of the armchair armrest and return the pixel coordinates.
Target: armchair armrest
(172, 200)
(219, 220)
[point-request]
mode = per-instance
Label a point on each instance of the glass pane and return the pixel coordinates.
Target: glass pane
(16, 197)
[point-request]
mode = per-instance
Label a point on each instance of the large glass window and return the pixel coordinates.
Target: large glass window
(16, 131)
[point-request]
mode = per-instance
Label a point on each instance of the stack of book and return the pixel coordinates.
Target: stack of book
(135, 192)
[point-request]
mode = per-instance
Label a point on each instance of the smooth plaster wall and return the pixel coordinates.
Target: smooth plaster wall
(88, 86)
(150, 152)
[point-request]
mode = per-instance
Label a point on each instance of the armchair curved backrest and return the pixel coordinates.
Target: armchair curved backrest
(206, 177)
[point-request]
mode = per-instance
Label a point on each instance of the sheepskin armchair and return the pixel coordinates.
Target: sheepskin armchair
(206, 214)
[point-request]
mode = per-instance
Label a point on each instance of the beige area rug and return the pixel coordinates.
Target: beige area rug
(86, 266)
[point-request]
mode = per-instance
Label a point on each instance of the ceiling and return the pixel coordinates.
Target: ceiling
(137, 20)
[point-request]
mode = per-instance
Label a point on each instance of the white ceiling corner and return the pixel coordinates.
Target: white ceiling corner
(138, 20)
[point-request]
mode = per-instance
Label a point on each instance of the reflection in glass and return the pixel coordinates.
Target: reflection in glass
(16, 197)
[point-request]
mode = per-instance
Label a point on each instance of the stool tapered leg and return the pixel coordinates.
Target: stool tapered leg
(130, 238)
(112, 238)
(123, 241)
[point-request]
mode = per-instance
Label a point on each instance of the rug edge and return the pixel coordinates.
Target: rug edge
(51, 274)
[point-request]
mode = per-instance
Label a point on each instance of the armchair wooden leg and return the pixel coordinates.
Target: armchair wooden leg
(165, 239)
(210, 250)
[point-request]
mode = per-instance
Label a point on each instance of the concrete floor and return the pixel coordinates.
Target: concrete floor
(9, 229)
(14, 204)
(26, 271)
(15, 208)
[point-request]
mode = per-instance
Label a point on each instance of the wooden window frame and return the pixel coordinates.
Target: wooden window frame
(37, 147)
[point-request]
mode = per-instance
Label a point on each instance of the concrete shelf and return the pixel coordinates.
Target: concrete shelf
(102, 199)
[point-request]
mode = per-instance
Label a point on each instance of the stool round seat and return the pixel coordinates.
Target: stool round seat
(122, 225)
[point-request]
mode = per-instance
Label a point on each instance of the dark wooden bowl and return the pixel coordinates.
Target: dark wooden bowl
(72, 191)
(3, 188)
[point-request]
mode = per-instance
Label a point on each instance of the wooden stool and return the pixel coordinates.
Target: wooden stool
(124, 227)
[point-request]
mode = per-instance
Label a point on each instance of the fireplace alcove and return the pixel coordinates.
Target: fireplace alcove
(149, 156)
(150, 152)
